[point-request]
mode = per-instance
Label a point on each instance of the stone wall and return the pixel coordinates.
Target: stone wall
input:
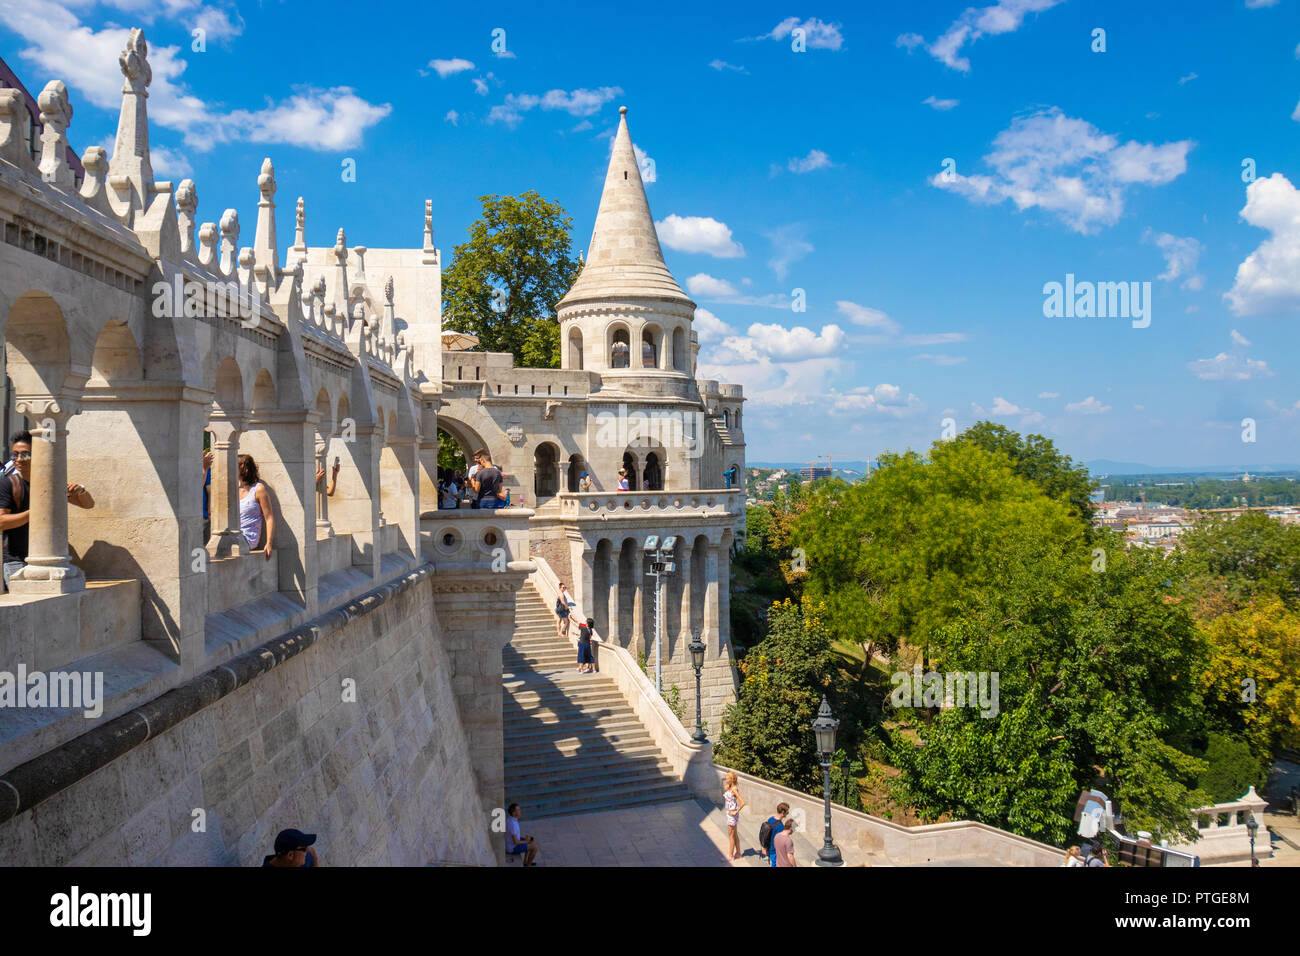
(385, 780)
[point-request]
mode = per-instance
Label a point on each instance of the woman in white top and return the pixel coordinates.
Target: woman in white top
(255, 512)
(622, 480)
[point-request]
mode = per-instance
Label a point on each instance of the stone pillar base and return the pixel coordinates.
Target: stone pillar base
(48, 579)
(226, 544)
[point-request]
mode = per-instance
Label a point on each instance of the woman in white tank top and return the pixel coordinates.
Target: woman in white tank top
(254, 507)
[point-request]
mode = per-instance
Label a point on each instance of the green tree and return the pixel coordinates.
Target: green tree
(504, 283)
(769, 727)
(1232, 769)
(1036, 458)
(1227, 562)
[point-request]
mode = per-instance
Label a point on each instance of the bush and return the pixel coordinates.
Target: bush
(1233, 769)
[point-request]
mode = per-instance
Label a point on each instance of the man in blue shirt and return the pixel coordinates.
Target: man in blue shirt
(777, 825)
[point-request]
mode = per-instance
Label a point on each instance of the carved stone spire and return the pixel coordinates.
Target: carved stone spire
(428, 225)
(341, 279)
(56, 114)
(130, 174)
(229, 241)
(389, 329)
(268, 256)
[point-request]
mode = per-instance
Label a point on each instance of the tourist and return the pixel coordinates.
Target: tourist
(516, 843)
(771, 826)
(487, 482)
(255, 513)
(334, 478)
(586, 663)
(622, 480)
(450, 494)
(207, 485)
(783, 844)
(1099, 857)
(293, 848)
(585, 483)
(15, 498)
(562, 605)
(734, 803)
(1073, 857)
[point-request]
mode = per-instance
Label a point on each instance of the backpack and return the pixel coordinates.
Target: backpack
(765, 834)
(560, 609)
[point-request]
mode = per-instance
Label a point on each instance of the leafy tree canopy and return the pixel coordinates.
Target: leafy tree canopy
(1228, 562)
(504, 283)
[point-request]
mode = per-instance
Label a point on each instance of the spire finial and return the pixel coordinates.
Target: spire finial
(622, 111)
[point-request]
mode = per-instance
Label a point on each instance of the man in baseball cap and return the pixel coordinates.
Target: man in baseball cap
(293, 848)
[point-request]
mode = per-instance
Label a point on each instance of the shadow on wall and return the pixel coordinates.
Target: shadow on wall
(112, 561)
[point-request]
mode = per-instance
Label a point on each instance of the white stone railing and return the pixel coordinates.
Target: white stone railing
(466, 538)
(861, 837)
(1224, 836)
(720, 501)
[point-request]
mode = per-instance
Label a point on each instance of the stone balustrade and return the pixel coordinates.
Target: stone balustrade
(650, 503)
(1222, 832)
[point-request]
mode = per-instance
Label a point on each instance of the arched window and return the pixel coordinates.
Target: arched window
(679, 349)
(649, 351)
(654, 477)
(545, 471)
(726, 418)
(576, 467)
(575, 349)
(629, 466)
(620, 353)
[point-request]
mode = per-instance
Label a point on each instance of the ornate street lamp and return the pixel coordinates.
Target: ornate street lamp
(696, 647)
(824, 727)
(1252, 825)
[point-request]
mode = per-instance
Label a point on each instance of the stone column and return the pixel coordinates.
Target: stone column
(323, 526)
(636, 635)
(684, 572)
(724, 598)
(48, 570)
(615, 629)
(223, 490)
(586, 583)
(711, 626)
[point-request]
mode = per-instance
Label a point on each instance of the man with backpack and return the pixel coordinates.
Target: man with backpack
(15, 505)
(770, 828)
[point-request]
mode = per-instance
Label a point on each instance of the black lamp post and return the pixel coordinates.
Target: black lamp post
(824, 727)
(696, 648)
(1252, 825)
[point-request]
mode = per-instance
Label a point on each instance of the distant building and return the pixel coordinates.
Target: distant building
(813, 472)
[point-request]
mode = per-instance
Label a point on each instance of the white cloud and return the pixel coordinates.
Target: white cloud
(817, 34)
(1257, 4)
(788, 247)
(1184, 80)
(1239, 339)
(1269, 279)
(778, 342)
(452, 117)
(1005, 16)
(709, 327)
(815, 159)
(724, 65)
(867, 317)
(1049, 394)
(1181, 255)
(86, 59)
(579, 102)
(909, 41)
(168, 163)
(882, 399)
(1002, 407)
(699, 234)
(481, 85)
(446, 68)
(1067, 167)
(703, 284)
(940, 104)
(1224, 367)
(941, 359)
(1089, 406)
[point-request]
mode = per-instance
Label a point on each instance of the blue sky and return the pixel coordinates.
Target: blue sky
(821, 170)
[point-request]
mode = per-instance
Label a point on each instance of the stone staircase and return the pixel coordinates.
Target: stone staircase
(572, 744)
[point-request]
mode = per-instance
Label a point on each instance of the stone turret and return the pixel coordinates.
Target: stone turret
(626, 317)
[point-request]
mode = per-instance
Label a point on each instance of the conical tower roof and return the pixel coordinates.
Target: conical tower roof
(624, 258)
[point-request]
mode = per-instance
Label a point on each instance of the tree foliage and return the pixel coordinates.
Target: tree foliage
(504, 283)
(1228, 562)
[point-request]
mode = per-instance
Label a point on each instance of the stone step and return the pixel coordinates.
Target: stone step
(562, 708)
(563, 720)
(616, 799)
(531, 762)
(582, 728)
(568, 768)
(577, 790)
(591, 773)
(595, 694)
(607, 743)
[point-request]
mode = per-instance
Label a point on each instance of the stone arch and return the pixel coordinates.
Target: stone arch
(652, 475)
(325, 409)
(344, 412)
(263, 393)
(546, 471)
(651, 345)
(618, 345)
(679, 349)
(699, 583)
(631, 465)
(117, 356)
(466, 436)
(575, 349)
(631, 576)
(600, 583)
(228, 389)
(726, 418)
(38, 348)
(577, 465)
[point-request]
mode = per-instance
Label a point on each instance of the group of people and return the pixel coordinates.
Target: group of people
(1098, 857)
(483, 486)
(563, 603)
(15, 503)
(775, 834)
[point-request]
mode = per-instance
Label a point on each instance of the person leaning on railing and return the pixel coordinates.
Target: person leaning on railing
(15, 505)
